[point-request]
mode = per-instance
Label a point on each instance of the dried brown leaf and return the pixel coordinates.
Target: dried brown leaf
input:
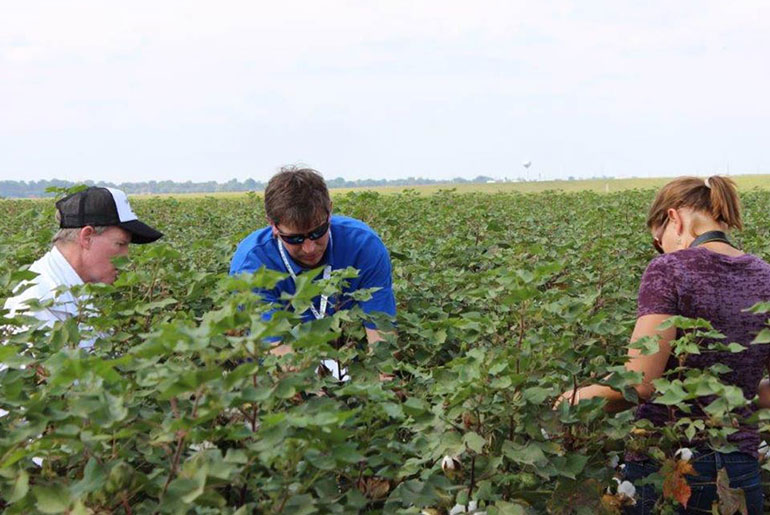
(674, 483)
(731, 500)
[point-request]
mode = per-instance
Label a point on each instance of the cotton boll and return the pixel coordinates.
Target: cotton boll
(609, 489)
(448, 463)
(684, 453)
(457, 508)
(203, 446)
(627, 489)
(764, 451)
(614, 461)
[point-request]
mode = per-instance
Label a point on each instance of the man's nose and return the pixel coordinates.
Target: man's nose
(308, 245)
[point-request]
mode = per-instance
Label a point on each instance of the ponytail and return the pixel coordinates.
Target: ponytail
(715, 197)
(725, 206)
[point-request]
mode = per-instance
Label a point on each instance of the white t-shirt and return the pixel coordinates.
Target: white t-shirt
(54, 271)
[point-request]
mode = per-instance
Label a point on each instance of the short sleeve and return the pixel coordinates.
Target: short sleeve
(247, 260)
(658, 293)
(378, 275)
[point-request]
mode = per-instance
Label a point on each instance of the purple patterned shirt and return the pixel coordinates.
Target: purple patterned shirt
(699, 283)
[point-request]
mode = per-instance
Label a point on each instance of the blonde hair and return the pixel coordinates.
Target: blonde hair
(715, 197)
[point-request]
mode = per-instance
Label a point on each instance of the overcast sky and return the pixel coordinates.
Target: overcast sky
(192, 90)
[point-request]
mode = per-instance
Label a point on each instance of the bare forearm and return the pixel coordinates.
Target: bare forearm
(764, 393)
(281, 349)
(373, 336)
(615, 400)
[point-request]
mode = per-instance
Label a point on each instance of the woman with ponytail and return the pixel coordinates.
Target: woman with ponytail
(699, 274)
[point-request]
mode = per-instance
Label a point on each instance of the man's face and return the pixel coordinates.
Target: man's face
(309, 253)
(98, 255)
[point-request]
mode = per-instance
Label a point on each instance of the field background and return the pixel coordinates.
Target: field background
(744, 182)
(505, 300)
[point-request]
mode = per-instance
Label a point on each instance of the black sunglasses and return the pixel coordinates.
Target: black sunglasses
(656, 240)
(657, 245)
(298, 239)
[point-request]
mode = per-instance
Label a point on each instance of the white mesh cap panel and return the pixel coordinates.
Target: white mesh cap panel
(125, 213)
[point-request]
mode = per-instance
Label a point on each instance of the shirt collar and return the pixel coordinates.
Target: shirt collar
(62, 269)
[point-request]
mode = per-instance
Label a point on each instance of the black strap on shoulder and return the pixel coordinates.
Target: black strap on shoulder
(710, 236)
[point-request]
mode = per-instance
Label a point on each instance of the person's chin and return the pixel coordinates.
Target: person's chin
(314, 263)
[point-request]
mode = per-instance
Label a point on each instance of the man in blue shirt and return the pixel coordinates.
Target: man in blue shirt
(303, 235)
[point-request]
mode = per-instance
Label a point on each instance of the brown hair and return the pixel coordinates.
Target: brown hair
(715, 197)
(297, 196)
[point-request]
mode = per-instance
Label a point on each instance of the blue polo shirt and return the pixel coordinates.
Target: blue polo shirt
(352, 243)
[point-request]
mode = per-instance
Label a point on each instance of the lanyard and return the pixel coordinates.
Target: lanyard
(711, 236)
(317, 313)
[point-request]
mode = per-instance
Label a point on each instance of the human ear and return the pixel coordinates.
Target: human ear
(85, 236)
(676, 220)
(273, 227)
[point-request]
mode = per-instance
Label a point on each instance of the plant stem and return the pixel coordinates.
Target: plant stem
(473, 477)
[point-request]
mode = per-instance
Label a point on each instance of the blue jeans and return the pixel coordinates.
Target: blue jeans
(742, 469)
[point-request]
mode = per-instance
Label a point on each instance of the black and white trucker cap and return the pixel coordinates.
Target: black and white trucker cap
(103, 206)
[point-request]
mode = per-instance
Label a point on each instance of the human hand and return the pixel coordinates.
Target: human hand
(572, 396)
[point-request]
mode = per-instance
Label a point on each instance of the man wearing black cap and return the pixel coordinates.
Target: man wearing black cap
(96, 225)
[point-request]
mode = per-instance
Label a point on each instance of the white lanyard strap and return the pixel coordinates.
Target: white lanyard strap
(318, 314)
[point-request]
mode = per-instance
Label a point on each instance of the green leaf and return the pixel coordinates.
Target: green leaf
(94, 477)
(414, 406)
(301, 505)
(759, 308)
(526, 454)
(474, 441)
(571, 465)
(673, 393)
(20, 487)
(51, 499)
(648, 345)
(536, 395)
(187, 489)
(507, 508)
(7, 351)
(393, 410)
(347, 453)
(237, 456)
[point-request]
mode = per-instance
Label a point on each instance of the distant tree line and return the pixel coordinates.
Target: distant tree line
(26, 189)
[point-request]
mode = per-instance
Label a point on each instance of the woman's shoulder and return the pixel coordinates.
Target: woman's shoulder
(698, 260)
(673, 265)
(665, 262)
(700, 256)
